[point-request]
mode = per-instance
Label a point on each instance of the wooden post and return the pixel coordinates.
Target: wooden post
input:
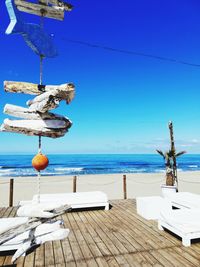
(74, 184)
(11, 192)
(124, 186)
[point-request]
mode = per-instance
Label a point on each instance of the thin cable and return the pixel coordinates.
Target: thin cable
(135, 53)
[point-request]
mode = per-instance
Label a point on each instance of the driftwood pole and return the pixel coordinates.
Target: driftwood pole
(124, 186)
(74, 184)
(173, 150)
(11, 192)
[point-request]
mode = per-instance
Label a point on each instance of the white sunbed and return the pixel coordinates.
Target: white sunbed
(182, 222)
(185, 200)
(75, 200)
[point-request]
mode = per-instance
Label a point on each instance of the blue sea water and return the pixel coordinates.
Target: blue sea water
(20, 165)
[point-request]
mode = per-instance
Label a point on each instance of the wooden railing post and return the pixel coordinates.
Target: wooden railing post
(11, 192)
(124, 186)
(74, 184)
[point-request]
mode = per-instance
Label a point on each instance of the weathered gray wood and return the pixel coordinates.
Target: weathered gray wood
(44, 102)
(48, 128)
(31, 224)
(58, 3)
(26, 113)
(40, 10)
(68, 89)
(47, 101)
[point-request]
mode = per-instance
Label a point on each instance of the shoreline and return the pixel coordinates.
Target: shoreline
(138, 184)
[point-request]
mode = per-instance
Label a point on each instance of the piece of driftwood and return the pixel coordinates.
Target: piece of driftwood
(47, 101)
(60, 4)
(48, 128)
(25, 113)
(40, 10)
(31, 224)
(44, 102)
(35, 37)
(66, 91)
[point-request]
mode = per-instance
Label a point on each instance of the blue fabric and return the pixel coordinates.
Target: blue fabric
(35, 37)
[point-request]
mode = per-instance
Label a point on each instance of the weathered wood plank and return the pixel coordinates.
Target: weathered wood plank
(48, 128)
(26, 113)
(66, 91)
(40, 256)
(40, 10)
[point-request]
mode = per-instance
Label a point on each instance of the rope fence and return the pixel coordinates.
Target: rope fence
(78, 180)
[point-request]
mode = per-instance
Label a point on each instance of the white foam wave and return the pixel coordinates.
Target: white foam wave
(6, 170)
(193, 166)
(67, 169)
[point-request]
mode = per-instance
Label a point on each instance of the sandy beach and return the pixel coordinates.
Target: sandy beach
(138, 184)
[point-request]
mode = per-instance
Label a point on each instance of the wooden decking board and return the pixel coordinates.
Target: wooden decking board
(187, 255)
(132, 236)
(179, 258)
(58, 252)
(109, 231)
(110, 248)
(114, 225)
(151, 259)
(49, 254)
(78, 256)
(156, 240)
(119, 237)
(162, 260)
(83, 245)
(132, 226)
(40, 256)
(29, 260)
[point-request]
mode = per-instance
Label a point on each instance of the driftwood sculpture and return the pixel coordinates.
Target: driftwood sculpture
(36, 120)
(38, 229)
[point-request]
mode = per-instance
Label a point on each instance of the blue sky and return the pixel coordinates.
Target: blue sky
(123, 101)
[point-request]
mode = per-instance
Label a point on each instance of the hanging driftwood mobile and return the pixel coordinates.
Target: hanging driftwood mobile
(35, 119)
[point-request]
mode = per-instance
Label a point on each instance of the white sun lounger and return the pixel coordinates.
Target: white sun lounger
(75, 200)
(185, 200)
(183, 222)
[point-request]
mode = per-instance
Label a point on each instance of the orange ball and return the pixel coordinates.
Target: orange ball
(40, 162)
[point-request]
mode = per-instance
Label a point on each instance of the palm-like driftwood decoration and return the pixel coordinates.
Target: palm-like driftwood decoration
(170, 160)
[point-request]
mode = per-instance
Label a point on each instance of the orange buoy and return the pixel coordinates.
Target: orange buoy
(40, 162)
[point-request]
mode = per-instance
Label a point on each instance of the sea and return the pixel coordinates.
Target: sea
(78, 164)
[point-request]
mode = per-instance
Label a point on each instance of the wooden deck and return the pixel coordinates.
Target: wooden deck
(118, 237)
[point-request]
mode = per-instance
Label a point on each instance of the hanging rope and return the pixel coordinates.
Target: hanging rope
(41, 81)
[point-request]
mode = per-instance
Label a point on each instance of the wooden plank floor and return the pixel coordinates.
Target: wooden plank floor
(118, 237)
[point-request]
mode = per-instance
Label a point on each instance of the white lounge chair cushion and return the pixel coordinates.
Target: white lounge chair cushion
(82, 199)
(186, 200)
(41, 210)
(185, 220)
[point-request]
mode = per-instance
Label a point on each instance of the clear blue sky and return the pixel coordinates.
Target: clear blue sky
(123, 101)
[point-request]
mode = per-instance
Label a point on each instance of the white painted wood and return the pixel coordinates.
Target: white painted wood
(26, 113)
(48, 128)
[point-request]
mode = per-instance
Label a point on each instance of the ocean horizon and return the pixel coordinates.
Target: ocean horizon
(79, 164)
